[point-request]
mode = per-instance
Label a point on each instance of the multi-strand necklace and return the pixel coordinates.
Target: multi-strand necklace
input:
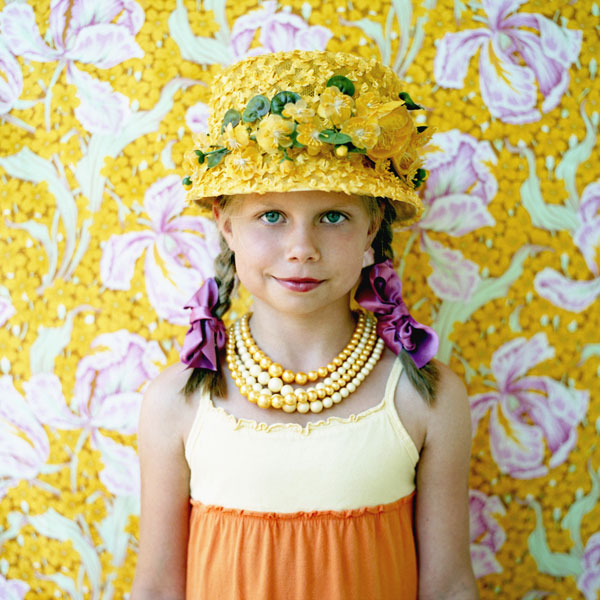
(267, 384)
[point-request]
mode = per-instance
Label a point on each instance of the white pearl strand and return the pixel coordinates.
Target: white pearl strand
(268, 391)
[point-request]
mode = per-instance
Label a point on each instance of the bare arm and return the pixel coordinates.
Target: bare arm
(442, 502)
(161, 567)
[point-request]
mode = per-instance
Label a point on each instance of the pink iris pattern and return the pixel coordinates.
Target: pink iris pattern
(279, 31)
(512, 60)
(180, 251)
(528, 412)
(487, 537)
(97, 33)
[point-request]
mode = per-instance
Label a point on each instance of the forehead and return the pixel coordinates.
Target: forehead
(309, 200)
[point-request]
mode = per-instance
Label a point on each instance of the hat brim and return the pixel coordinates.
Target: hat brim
(351, 176)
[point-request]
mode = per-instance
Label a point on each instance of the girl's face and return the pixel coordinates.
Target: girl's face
(298, 251)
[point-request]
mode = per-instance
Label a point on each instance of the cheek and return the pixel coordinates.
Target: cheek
(248, 240)
(349, 248)
(254, 249)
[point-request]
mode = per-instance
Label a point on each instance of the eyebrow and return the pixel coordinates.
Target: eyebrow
(275, 205)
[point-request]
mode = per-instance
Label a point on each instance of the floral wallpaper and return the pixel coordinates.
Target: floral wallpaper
(98, 253)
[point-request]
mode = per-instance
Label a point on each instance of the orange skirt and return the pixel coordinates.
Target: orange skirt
(366, 553)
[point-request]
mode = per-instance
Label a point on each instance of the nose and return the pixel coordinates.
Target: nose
(302, 244)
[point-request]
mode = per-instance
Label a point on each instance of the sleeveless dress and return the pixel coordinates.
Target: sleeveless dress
(291, 512)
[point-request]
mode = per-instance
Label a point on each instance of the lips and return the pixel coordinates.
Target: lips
(299, 284)
(302, 280)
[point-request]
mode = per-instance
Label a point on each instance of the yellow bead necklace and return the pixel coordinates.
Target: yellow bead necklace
(267, 383)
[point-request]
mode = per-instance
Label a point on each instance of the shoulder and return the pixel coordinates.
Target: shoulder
(451, 388)
(451, 396)
(163, 405)
(450, 409)
(424, 421)
(167, 383)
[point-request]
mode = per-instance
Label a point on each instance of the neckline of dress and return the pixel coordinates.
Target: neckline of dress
(242, 422)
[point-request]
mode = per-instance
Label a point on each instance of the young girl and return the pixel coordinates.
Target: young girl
(315, 449)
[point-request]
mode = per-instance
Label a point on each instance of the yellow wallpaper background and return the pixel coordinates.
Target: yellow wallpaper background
(98, 102)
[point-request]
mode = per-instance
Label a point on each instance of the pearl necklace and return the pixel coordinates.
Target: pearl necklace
(267, 383)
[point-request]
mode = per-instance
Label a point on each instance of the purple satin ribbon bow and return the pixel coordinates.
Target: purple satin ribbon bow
(381, 293)
(206, 335)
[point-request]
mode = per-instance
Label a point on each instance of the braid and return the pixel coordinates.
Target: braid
(425, 379)
(214, 381)
(382, 244)
(225, 276)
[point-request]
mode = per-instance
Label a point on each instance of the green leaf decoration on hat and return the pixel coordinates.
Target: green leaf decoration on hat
(256, 108)
(408, 101)
(216, 156)
(186, 180)
(231, 116)
(331, 136)
(200, 156)
(342, 83)
(294, 138)
(353, 148)
(281, 99)
(419, 178)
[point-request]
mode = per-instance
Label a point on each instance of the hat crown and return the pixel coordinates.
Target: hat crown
(303, 72)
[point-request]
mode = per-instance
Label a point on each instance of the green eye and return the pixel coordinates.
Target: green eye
(271, 217)
(334, 217)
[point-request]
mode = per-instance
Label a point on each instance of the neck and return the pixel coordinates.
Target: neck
(306, 341)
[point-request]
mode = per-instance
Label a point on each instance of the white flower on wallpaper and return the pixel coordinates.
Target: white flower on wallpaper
(528, 412)
(180, 251)
(12, 589)
(517, 50)
(564, 292)
(98, 33)
(587, 234)
(589, 579)
(487, 537)
(196, 117)
(11, 80)
(24, 444)
(459, 188)
(576, 214)
(107, 396)
(279, 31)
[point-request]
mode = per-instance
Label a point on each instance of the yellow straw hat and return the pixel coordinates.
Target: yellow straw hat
(310, 120)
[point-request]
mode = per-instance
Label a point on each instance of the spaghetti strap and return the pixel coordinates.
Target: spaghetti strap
(394, 417)
(203, 402)
(392, 382)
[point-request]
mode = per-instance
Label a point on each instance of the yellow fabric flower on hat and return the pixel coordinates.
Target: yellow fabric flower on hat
(407, 163)
(396, 133)
(234, 137)
(244, 163)
(364, 132)
(299, 111)
(335, 106)
(308, 134)
(424, 137)
(274, 131)
(202, 141)
(366, 104)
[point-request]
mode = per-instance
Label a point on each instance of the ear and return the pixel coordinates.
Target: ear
(223, 222)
